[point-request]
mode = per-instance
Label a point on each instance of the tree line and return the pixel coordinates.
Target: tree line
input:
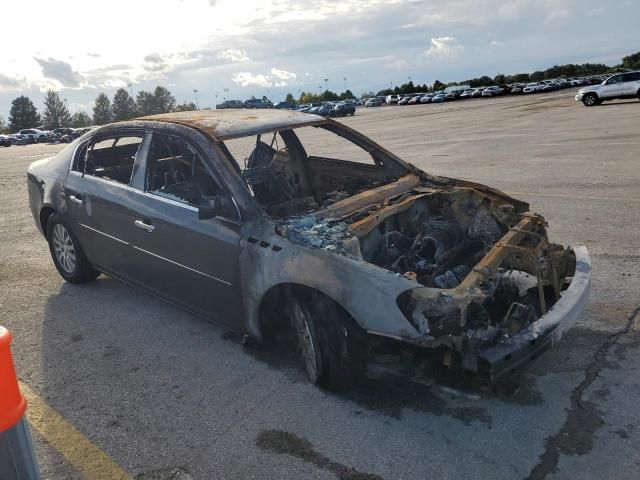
(630, 62)
(122, 106)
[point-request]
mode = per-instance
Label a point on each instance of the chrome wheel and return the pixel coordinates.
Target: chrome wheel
(64, 249)
(306, 342)
(590, 100)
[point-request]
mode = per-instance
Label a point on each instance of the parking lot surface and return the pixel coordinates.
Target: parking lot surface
(160, 392)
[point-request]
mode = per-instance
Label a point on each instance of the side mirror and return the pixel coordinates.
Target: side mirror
(208, 207)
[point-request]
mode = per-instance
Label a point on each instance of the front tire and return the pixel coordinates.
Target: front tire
(331, 347)
(67, 254)
(590, 100)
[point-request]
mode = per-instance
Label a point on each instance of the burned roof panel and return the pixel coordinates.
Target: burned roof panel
(226, 124)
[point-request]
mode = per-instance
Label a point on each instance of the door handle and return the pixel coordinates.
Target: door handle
(145, 226)
(76, 199)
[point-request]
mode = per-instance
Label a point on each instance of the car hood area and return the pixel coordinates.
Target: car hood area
(481, 263)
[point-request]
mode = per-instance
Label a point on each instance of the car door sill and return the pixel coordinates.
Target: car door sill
(167, 299)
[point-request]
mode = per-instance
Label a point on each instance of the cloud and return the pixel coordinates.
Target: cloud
(94, 55)
(247, 79)
(496, 43)
(444, 47)
(283, 74)
(8, 84)
(234, 55)
(61, 72)
(276, 78)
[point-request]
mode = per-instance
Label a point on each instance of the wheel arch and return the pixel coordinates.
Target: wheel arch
(272, 301)
(45, 214)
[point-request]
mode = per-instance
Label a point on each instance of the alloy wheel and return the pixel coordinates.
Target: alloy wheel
(64, 249)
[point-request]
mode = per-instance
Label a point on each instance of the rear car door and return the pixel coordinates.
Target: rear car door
(191, 262)
(97, 191)
(630, 85)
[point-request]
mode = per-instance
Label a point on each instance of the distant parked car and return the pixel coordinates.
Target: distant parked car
(426, 98)
(517, 88)
(230, 104)
(404, 100)
(477, 92)
(258, 103)
(392, 99)
(33, 135)
(284, 105)
(5, 141)
(373, 102)
(343, 109)
(439, 98)
(466, 94)
(533, 87)
(493, 91)
(625, 85)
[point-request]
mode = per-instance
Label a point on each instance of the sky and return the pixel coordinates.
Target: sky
(240, 48)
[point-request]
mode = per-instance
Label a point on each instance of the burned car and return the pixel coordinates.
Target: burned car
(273, 219)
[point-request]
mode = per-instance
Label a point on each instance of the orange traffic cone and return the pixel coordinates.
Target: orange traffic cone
(17, 460)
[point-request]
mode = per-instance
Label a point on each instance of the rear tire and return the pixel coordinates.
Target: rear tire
(67, 254)
(331, 346)
(590, 99)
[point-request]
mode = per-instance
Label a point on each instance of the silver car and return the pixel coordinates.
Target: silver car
(624, 85)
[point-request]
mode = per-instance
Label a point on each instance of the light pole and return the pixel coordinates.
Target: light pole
(130, 85)
(226, 92)
(195, 91)
(326, 80)
(345, 83)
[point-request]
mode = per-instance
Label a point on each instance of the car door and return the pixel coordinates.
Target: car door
(192, 262)
(97, 190)
(613, 88)
(630, 84)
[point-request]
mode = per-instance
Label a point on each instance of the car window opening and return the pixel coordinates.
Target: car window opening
(110, 158)
(305, 169)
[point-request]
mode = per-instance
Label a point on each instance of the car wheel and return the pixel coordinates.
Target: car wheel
(590, 99)
(331, 348)
(67, 254)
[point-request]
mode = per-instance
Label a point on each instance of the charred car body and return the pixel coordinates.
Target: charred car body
(349, 253)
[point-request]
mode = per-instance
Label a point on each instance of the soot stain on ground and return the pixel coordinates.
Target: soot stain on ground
(390, 395)
(280, 356)
(287, 443)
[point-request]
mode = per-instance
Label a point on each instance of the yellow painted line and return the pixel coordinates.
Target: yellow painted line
(77, 449)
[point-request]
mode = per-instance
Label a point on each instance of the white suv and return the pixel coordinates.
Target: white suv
(624, 85)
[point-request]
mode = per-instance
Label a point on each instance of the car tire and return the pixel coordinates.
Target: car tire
(67, 254)
(590, 100)
(331, 347)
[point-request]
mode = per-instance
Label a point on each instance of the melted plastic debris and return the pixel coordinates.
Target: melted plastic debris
(312, 232)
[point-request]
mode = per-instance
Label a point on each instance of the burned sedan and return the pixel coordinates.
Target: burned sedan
(273, 219)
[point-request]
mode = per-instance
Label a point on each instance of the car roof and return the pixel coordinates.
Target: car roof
(227, 124)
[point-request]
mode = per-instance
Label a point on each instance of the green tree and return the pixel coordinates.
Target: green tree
(102, 110)
(4, 128)
(536, 76)
(56, 114)
(347, 95)
(123, 106)
(438, 85)
(289, 99)
(186, 107)
(164, 101)
(145, 104)
(81, 119)
(23, 114)
(631, 61)
(160, 101)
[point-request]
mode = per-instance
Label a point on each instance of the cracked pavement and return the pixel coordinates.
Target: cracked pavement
(160, 390)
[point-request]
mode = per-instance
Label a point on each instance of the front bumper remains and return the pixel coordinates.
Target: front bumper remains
(514, 351)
